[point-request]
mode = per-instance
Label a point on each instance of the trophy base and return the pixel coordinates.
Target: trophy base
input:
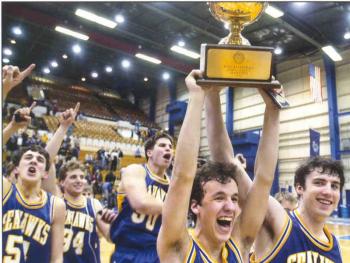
(239, 84)
(236, 63)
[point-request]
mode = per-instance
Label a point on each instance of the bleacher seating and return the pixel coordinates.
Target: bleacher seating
(89, 104)
(18, 95)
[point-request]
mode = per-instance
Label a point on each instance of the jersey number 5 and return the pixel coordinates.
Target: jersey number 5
(13, 252)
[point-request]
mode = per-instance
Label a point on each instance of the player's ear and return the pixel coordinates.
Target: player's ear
(299, 189)
(149, 153)
(194, 207)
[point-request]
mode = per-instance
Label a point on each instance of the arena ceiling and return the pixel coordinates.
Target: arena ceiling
(152, 28)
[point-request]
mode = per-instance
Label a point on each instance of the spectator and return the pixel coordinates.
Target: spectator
(138, 152)
(287, 200)
(112, 199)
(76, 151)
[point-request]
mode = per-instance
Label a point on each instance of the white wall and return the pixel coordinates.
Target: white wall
(296, 121)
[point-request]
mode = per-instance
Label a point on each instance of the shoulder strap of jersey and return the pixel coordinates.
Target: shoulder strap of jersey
(7, 194)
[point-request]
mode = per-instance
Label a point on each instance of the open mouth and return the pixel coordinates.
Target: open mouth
(167, 156)
(224, 221)
(32, 170)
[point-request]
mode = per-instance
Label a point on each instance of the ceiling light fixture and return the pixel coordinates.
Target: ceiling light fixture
(125, 63)
(347, 35)
(145, 79)
(12, 41)
(71, 33)
(64, 56)
(185, 52)
(273, 11)
(17, 31)
(46, 70)
(181, 43)
(148, 58)
(166, 76)
(54, 64)
(83, 79)
(95, 18)
(278, 51)
(108, 69)
(7, 51)
(94, 74)
(76, 49)
(5, 60)
(119, 18)
(332, 53)
(300, 4)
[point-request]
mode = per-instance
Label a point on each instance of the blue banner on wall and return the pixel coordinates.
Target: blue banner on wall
(314, 143)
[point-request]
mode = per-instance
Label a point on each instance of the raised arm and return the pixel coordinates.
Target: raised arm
(220, 146)
(219, 142)
(173, 239)
(256, 204)
(66, 119)
(134, 185)
(12, 76)
(22, 120)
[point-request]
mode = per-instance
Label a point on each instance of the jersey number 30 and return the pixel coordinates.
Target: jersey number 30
(150, 220)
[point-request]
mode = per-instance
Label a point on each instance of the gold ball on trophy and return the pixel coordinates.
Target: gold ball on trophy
(237, 15)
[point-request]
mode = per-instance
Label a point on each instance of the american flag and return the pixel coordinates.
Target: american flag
(315, 83)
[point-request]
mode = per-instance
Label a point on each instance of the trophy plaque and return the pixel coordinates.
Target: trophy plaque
(233, 62)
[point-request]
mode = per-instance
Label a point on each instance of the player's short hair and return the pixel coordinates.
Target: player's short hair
(332, 167)
(150, 142)
(88, 188)
(210, 171)
(280, 196)
(70, 166)
(33, 148)
(9, 168)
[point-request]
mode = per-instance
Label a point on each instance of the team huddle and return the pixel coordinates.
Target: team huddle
(214, 213)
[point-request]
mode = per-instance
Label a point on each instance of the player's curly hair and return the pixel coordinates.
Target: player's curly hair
(210, 171)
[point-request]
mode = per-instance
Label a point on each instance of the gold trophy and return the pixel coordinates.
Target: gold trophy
(233, 62)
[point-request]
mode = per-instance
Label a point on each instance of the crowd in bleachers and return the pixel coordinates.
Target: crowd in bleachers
(105, 141)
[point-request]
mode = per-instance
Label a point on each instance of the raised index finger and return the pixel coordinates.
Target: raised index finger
(76, 109)
(32, 106)
(27, 71)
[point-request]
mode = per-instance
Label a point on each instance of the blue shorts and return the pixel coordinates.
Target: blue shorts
(128, 255)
